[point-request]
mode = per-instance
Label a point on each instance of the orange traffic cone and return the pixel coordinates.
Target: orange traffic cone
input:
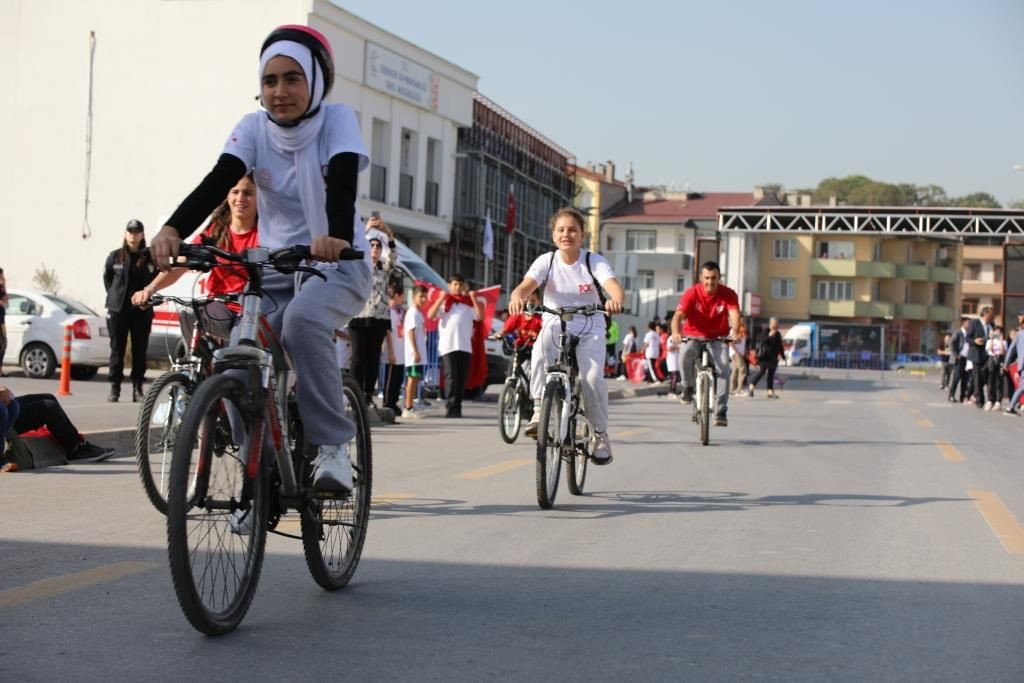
(65, 365)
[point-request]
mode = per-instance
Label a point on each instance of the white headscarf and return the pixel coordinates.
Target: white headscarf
(301, 139)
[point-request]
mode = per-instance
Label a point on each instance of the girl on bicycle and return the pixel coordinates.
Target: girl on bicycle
(571, 277)
(305, 156)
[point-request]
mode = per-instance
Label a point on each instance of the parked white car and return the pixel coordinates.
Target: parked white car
(35, 334)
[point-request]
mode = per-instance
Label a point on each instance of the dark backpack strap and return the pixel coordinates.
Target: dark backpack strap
(600, 290)
(551, 264)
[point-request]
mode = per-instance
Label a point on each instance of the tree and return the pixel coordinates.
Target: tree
(978, 200)
(46, 279)
(1018, 204)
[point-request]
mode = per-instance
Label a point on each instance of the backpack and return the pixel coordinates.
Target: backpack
(763, 349)
(600, 290)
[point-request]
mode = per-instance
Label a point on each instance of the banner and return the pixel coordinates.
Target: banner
(488, 248)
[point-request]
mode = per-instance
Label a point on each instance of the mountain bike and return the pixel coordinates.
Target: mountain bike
(240, 462)
(164, 406)
(564, 432)
(706, 380)
(514, 403)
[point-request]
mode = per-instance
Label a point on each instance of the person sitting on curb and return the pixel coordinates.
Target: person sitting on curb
(32, 411)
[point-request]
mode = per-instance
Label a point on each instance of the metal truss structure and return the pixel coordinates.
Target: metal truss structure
(896, 220)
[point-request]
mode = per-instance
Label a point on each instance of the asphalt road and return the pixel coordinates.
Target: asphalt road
(856, 529)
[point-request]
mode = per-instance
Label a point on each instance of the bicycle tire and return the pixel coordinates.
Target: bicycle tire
(350, 516)
(705, 410)
(222, 475)
(156, 488)
(509, 413)
(549, 448)
(577, 466)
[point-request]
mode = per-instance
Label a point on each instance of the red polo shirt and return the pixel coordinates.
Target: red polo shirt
(707, 315)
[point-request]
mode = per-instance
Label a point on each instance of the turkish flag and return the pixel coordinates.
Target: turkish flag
(510, 220)
(481, 329)
(432, 295)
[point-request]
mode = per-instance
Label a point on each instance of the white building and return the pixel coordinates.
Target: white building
(116, 109)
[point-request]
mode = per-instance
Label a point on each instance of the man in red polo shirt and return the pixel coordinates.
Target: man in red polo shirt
(708, 310)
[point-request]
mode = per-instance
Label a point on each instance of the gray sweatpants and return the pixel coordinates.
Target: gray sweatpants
(720, 357)
(590, 354)
(305, 325)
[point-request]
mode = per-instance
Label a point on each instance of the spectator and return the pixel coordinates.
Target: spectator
(127, 270)
(628, 347)
(611, 341)
(414, 329)
(947, 362)
(738, 362)
(977, 335)
(9, 410)
(368, 330)
(457, 309)
(651, 350)
(673, 352)
(525, 326)
(958, 347)
(3, 323)
(995, 347)
(33, 411)
(1015, 354)
(768, 352)
(395, 345)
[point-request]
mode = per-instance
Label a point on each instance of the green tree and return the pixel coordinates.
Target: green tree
(1017, 204)
(978, 200)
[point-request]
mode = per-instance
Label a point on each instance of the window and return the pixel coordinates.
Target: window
(19, 305)
(835, 290)
(611, 243)
(783, 288)
(680, 283)
(833, 249)
(784, 249)
(972, 271)
(641, 240)
(431, 199)
(997, 272)
(644, 279)
(969, 306)
(876, 252)
(681, 245)
(876, 290)
(379, 153)
(908, 293)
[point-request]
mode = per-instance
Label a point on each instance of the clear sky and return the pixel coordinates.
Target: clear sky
(730, 94)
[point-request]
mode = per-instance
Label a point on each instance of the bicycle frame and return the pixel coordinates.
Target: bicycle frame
(566, 371)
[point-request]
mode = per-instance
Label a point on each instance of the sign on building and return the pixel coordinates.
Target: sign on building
(397, 76)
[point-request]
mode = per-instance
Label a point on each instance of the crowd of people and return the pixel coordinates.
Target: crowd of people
(981, 365)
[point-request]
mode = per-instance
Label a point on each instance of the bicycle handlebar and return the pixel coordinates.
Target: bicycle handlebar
(158, 299)
(708, 340)
(285, 260)
(589, 309)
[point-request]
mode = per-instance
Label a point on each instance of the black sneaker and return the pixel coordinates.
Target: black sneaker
(687, 396)
(115, 394)
(721, 421)
(90, 452)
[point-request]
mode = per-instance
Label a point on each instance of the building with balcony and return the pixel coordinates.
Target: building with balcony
(982, 283)
(598, 193)
(656, 241)
(907, 283)
(498, 153)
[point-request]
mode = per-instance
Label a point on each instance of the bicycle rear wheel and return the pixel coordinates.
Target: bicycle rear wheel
(549, 445)
(509, 413)
(334, 529)
(704, 409)
(156, 431)
(216, 530)
(577, 466)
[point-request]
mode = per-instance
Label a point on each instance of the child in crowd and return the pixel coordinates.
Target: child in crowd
(572, 276)
(457, 309)
(394, 345)
(651, 350)
(414, 329)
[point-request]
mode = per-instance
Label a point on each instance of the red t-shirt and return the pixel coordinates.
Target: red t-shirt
(526, 328)
(232, 278)
(707, 315)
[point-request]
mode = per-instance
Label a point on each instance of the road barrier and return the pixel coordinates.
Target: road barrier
(65, 364)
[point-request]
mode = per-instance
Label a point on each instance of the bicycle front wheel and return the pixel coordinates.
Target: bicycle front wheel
(216, 524)
(509, 413)
(577, 466)
(704, 410)
(156, 432)
(549, 445)
(334, 529)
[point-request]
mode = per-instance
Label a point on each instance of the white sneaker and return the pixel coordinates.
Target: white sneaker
(240, 522)
(601, 450)
(533, 425)
(410, 414)
(998, 405)
(988, 405)
(332, 469)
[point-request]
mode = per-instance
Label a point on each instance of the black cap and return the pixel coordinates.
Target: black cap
(134, 225)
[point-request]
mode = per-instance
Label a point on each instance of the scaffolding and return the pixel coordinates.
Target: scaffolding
(896, 220)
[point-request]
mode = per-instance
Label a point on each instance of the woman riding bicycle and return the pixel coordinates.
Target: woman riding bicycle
(305, 157)
(571, 277)
(232, 228)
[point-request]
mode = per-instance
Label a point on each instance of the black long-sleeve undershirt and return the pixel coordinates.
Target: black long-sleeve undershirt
(341, 184)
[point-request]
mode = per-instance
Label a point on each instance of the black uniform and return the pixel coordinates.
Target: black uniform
(122, 279)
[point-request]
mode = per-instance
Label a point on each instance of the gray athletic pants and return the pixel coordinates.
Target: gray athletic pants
(720, 357)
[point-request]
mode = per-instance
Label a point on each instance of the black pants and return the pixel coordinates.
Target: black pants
(366, 336)
(393, 376)
(947, 375)
(456, 371)
(980, 381)
(43, 409)
(766, 368)
(138, 323)
(960, 379)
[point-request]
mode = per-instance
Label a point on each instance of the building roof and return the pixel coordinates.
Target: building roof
(583, 171)
(697, 206)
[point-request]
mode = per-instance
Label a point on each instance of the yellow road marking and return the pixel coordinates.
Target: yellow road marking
(497, 468)
(949, 451)
(925, 422)
(915, 411)
(1000, 520)
(631, 432)
(387, 498)
(904, 396)
(48, 588)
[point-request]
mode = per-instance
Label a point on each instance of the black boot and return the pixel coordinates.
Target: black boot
(115, 393)
(137, 393)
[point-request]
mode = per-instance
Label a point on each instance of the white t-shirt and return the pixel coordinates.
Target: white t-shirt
(672, 357)
(414, 321)
(280, 210)
(397, 333)
(568, 284)
(629, 343)
(455, 329)
(653, 341)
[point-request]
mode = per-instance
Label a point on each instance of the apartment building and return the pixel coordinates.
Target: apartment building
(983, 280)
(907, 283)
(598, 193)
